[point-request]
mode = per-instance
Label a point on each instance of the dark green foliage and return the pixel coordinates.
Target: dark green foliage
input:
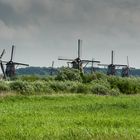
(22, 87)
(87, 78)
(113, 81)
(41, 87)
(58, 86)
(80, 88)
(125, 85)
(128, 86)
(100, 75)
(103, 82)
(100, 89)
(115, 92)
(69, 74)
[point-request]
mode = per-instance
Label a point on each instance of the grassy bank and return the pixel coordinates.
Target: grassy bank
(70, 117)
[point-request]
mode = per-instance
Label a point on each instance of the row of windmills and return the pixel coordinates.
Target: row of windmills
(111, 68)
(77, 63)
(10, 70)
(80, 64)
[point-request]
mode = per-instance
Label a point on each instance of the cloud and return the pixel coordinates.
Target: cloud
(71, 12)
(50, 24)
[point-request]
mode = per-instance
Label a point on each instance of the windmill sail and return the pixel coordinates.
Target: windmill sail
(16, 63)
(127, 61)
(12, 52)
(79, 48)
(3, 52)
(112, 57)
(1, 64)
(3, 71)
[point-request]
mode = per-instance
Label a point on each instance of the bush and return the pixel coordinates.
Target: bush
(41, 87)
(59, 86)
(115, 92)
(22, 87)
(100, 75)
(4, 86)
(87, 78)
(80, 88)
(128, 86)
(100, 89)
(113, 81)
(102, 82)
(69, 74)
(71, 80)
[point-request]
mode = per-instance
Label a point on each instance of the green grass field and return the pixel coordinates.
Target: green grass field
(69, 117)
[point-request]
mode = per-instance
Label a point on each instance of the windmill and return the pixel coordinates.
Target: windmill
(111, 70)
(10, 65)
(1, 64)
(126, 69)
(78, 62)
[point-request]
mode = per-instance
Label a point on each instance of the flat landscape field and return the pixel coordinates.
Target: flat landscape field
(68, 117)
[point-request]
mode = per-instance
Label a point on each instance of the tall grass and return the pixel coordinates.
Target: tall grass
(70, 117)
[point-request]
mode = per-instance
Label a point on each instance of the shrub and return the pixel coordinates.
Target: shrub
(80, 88)
(100, 75)
(100, 89)
(102, 82)
(128, 86)
(87, 78)
(4, 86)
(58, 86)
(42, 87)
(69, 74)
(39, 86)
(115, 92)
(22, 87)
(113, 81)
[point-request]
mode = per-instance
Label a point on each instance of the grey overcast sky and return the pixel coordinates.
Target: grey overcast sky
(42, 30)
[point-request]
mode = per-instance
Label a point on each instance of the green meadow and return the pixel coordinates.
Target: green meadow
(70, 117)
